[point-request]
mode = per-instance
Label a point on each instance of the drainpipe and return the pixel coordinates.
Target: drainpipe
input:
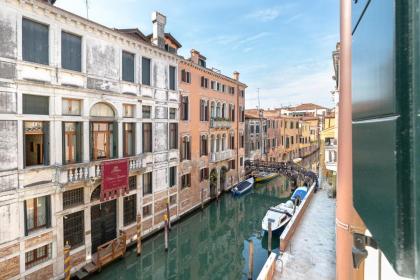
(347, 219)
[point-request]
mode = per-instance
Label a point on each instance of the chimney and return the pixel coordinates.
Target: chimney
(159, 22)
(236, 75)
(195, 55)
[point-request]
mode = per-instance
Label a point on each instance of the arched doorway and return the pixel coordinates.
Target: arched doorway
(103, 132)
(223, 172)
(103, 220)
(213, 183)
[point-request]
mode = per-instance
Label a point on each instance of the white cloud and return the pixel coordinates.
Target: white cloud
(265, 15)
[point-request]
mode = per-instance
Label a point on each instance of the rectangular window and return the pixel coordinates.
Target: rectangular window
(204, 174)
(37, 256)
(173, 136)
(147, 210)
(145, 73)
(72, 136)
(204, 82)
(71, 107)
(242, 93)
(186, 76)
(213, 85)
(185, 181)
(242, 141)
(172, 199)
(186, 149)
(72, 198)
(241, 161)
(232, 164)
(147, 137)
(104, 140)
(146, 112)
(37, 213)
(130, 209)
(35, 104)
(172, 176)
(172, 77)
(147, 183)
(128, 111)
(71, 51)
(232, 142)
(129, 139)
(132, 182)
(36, 143)
(35, 43)
(74, 229)
(172, 113)
(204, 145)
(184, 108)
(127, 67)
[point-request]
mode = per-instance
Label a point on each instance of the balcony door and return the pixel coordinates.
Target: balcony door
(102, 137)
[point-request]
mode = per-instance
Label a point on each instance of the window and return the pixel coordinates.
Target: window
(172, 199)
(291, 125)
(218, 86)
(129, 140)
(241, 161)
(242, 93)
(204, 110)
(35, 104)
(72, 198)
(202, 62)
(72, 141)
(232, 164)
(71, 51)
(185, 76)
(105, 140)
(145, 73)
(186, 148)
(35, 42)
(172, 176)
(223, 88)
(173, 136)
(71, 107)
(130, 209)
(127, 67)
(128, 111)
(172, 78)
(74, 229)
(147, 137)
(241, 114)
(172, 113)
(184, 108)
(132, 182)
(101, 109)
(37, 256)
(242, 141)
(204, 174)
(204, 82)
(146, 111)
(232, 141)
(37, 213)
(185, 181)
(232, 112)
(147, 210)
(257, 128)
(36, 143)
(204, 145)
(147, 183)
(213, 85)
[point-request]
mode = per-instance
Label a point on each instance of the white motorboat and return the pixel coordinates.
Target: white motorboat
(278, 216)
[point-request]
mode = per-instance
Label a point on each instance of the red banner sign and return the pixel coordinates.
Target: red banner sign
(114, 178)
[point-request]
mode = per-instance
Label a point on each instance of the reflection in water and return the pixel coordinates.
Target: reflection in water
(212, 244)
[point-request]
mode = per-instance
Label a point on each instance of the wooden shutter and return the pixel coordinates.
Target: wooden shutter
(46, 142)
(48, 211)
(25, 217)
(115, 140)
(63, 142)
(79, 139)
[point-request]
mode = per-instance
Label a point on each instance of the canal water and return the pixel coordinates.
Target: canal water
(209, 244)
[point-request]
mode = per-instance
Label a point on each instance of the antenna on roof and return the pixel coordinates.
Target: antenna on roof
(259, 105)
(87, 9)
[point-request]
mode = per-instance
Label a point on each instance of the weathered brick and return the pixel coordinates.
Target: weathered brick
(9, 250)
(41, 274)
(38, 239)
(9, 268)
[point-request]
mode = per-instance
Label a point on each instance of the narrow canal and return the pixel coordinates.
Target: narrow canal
(209, 244)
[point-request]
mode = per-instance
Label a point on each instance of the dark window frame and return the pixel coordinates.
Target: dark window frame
(75, 235)
(128, 66)
(129, 209)
(71, 59)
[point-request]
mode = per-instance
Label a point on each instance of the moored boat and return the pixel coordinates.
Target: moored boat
(299, 194)
(243, 187)
(264, 177)
(279, 216)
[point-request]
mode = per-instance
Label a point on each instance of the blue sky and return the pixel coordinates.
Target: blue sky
(282, 47)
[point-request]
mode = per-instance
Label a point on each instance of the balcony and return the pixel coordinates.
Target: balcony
(220, 123)
(93, 170)
(223, 155)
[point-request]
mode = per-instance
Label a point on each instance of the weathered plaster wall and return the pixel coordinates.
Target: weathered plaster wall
(8, 33)
(161, 137)
(9, 221)
(8, 146)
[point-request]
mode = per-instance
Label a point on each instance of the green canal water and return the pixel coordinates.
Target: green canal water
(209, 244)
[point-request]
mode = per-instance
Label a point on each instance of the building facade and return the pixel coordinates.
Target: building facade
(211, 131)
(75, 94)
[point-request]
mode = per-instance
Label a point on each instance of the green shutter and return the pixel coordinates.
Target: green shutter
(48, 211)
(79, 141)
(115, 140)
(25, 217)
(63, 142)
(46, 142)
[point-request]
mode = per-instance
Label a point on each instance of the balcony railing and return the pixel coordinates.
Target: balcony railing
(215, 123)
(223, 155)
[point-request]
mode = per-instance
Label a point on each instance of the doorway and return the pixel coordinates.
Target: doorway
(103, 223)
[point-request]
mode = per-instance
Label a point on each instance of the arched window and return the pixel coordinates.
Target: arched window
(102, 110)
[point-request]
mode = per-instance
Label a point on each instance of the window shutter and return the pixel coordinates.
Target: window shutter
(48, 211)
(91, 140)
(63, 143)
(46, 140)
(25, 216)
(79, 139)
(24, 146)
(115, 140)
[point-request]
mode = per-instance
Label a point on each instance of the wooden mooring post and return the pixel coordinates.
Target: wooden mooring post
(138, 249)
(67, 261)
(270, 236)
(202, 199)
(250, 259)
(165, 218)
(168, 213)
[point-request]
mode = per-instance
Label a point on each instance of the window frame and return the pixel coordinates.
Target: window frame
(71, 34)
(125, 76)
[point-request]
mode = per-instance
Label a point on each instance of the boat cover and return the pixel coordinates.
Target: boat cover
(299, 192)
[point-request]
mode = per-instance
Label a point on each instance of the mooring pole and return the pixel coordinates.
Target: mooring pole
(168, 214)
(270, 235)
(138, 249)
(250, 259)
(67, 261)
(202, 199)
(165, 218)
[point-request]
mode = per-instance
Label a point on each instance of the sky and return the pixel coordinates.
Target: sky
(281, 47)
